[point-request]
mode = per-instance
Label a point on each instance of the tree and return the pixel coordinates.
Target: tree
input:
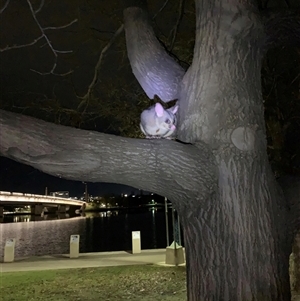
(237, 224)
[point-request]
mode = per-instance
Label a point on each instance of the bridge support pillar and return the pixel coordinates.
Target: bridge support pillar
(1, 211)
(61, 208)
(37, 209)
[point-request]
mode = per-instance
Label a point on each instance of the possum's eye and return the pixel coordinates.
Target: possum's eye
(168, 121)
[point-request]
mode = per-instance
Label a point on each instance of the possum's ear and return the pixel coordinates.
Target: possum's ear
(174, 109)
(159, 110)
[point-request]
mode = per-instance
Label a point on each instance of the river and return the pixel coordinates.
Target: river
(99, 232)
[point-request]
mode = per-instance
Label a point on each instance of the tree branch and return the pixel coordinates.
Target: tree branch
(87, 96)
(43, 35)
(4, 6)
(95, 157)
(179, 18)
(154, 69)
(282, 28)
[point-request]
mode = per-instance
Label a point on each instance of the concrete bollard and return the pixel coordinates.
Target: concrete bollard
(74, 246)
(9, 250)
(136, 242)
(174, 254)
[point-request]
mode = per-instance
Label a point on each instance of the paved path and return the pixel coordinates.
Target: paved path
(53, 262)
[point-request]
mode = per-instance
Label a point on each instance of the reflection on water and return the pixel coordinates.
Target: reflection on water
(102, 231)
(11, 218)
(41, 237)
(153, 224)
(105, 214)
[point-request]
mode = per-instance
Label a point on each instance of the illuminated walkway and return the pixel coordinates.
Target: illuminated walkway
(85, 260)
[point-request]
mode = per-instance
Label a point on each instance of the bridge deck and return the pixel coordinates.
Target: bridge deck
(7, 197)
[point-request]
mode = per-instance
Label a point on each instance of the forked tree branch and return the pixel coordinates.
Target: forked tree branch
(282, 28)
(44, 36)
(166, 167)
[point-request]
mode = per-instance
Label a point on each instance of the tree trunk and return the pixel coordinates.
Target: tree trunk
(296, 265)
(235, 247)
(238, 247)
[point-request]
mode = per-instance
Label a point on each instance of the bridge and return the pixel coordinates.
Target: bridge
(38, 203)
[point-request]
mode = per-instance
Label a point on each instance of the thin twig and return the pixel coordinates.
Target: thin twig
(40, 7)
(86, 97)
(4, 7)
(60, 27)
(43, 36)
(175, 29)
(163, 6)
(21, 46)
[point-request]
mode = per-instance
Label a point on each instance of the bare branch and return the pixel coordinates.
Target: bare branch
(40, 27)
(21, 46)
(48, 42)
(176, 26)
(155, 70)
(43, 36)
(282, 28)
(95, 157)
(60, 27)
(52, 72)
(160, 10)
(86, 97)
(40, 7)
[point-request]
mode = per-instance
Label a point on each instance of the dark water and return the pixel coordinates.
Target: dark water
(98, 232)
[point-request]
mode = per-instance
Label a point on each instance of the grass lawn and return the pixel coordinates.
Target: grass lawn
(146, 282)
(140, 283)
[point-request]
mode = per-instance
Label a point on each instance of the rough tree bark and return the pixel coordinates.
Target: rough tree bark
(296, 264)
(291, 188)
(237, 224)
(95, 157)
(223, 107)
